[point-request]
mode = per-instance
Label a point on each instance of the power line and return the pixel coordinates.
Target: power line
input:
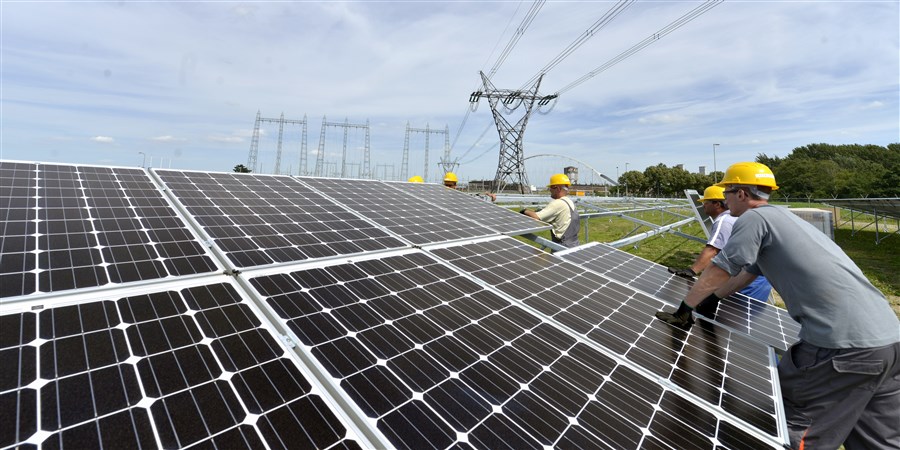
(613, 12)
(678, 23)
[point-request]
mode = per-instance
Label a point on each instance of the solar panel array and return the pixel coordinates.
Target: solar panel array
(437, 361)
(424, 213)
(180, 308)
(764, 322)
(728, 370)
(68, 227)
(265, 219)
(159, 369)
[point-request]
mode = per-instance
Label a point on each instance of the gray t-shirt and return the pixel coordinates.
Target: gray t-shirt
(836, 306)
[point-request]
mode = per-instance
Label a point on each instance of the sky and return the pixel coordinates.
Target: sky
(179, 84)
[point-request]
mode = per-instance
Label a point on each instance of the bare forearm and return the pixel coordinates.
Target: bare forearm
(706, 255)
(710, 281)
(736, 283)
(531, 214)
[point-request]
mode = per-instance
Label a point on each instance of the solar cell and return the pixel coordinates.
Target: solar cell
(66, 227)
(764, 322)
(491, 216)
(265, 219)
(729, 371)
(169, 368)
(436, 360)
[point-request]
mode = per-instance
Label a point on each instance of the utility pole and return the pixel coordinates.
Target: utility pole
(511, 166)
(715, 175)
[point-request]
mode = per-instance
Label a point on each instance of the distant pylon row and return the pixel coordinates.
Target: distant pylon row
(365, 170)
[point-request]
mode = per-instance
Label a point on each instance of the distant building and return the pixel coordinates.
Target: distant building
(679, 166)
(702, 170)
(572, 173)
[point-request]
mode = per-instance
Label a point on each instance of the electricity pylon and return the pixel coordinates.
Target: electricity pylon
(254, 142)
(511, 167)
(404, 166)
(346, 125)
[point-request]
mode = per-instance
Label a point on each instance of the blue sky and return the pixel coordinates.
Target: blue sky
(181, 82)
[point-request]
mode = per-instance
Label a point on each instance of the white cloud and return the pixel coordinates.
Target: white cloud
(226, 139)
(168, 138)
(103, 139)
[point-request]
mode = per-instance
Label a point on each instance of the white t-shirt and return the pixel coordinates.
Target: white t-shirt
(721, 230)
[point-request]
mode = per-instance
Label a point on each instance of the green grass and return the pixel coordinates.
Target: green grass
(879, 262)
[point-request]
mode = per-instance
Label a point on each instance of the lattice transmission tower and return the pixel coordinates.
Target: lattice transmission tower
(404, 165)
(365, 171)
(254, 142)
(511, 167)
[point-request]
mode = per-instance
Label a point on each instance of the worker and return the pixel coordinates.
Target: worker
(415, 179)
(841, 381)
(450, 180)
(713, 202)
(560, 213)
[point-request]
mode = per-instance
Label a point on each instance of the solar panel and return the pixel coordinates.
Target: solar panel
(702, 217)
(412, 218)
(66, 227)
(729, 371)
(157, 369)
(436, 360)
(266, 219)
(491, 216)
(764, 322)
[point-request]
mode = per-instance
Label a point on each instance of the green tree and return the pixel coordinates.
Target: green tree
(240, 168)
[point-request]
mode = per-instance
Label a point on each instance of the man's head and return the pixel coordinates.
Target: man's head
(747, 185)
(559, 186)
(450, 180)
(713, 201)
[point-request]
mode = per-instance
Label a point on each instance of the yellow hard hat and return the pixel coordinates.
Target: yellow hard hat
(450, 177)
(559, 179)
(713, 193)
(752, 173)
(415, 179)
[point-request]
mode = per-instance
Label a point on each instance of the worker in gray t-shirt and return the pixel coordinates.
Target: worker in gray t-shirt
(841, 382)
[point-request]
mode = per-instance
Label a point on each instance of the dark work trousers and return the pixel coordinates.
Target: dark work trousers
(847, 396)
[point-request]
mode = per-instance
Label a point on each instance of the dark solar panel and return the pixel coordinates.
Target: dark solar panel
(702, 217)
(730, 371)
(435, 360)
(67, 227)
(265, 219)
(417, 221)
(480, 211)
(764, 322)
(164, 369)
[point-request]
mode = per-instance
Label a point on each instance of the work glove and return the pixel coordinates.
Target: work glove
(708, 306)
(684, 273)
(682, 318)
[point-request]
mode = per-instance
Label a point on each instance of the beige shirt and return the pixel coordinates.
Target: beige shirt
(558, 214)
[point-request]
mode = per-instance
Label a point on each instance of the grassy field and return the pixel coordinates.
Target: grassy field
(879, 262)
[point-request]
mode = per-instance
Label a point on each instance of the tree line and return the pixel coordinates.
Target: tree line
(811, 171)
